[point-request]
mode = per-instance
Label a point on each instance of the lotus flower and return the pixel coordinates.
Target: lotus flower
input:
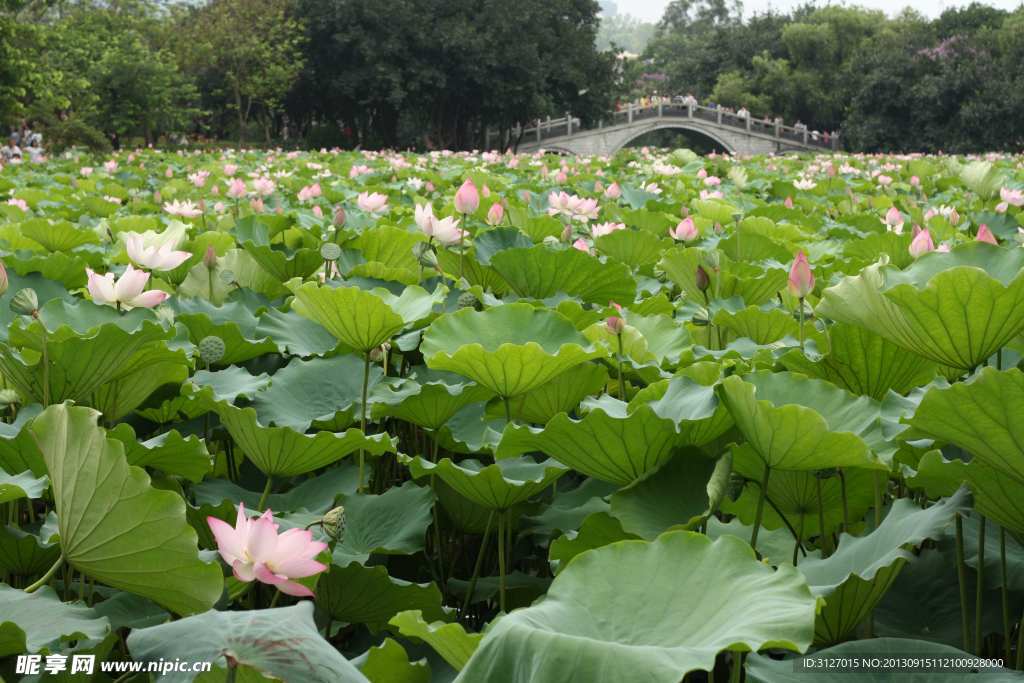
(985, 235)
(685, 231)
(256, 551)
(86, 171)
(198, 178)
(788, 203)
(20, 203)
(445, 230)
(581, 245)
(310, 192)
(495, 214)
(153, 255)
(236, 188)
(424, 216)
(801, 279)
(263, 186)
(613, 191)
(110, 166)
(922, 244)
(467, 199)
(1012, 197)
(185, 209)
(804, 184)
(602, 229)
(894, 220)
(230, 169)
(127, 292)
(372, 202)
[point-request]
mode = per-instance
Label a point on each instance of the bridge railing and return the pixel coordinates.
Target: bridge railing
(545, 129)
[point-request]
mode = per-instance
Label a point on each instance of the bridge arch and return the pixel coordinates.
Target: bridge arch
(680, 124)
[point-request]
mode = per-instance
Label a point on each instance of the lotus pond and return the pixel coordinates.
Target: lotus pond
(403, 418)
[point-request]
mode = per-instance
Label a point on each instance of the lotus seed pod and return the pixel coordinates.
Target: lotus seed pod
(330, 251)
(25, 302)
(334, 523)
(211, 349)
(378, 354)
(467, 300)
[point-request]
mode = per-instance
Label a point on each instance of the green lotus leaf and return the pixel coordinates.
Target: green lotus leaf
(282, 643)
(65, 268)
(598, 530)
(576, 631)
(233, 323)
(57, 235)
(389, 663)
(955, 308)
(755, 284)
(295, 335)
(775, 546)
(509, 349)
(794, 496)
(689, 400)
(981, 415)
(279, 261)
(114, 527)
(26, 554)
(368, 595)
(762, 326)
(362, 320)
(170, 452)
(674, 496)
(18, 486)
(228, 384)
(608, 443)
(764, 669)
(796, 423)
(284, 452)
(540, 272)
(746, 245)
(635, 248)
(316, 494)
(393, 523)
(34, 622)
(863, 363)
(561, 395)
(389, 246)
(449, 640)
(142, 376)
(854, 578)
(18, 450)
(471, 430)
(568, 509)
(496, 487)
(490, 242)
(436, 398)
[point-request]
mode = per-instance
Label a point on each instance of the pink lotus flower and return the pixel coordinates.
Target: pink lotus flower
(602, 229)
(801, 279)
(702, 173)
(1012, 197)
(445, 230)
(581, 245)
(804, 184)
(495, 214)
(86, 171)
(153, 256)
(712, 181)
(922, 244)
(257, 205)
(169, 173)
(558, 203)
(256, 551)
(613, 191)
(219, 207)
(467, 199)
(372, 202)
(236, 188)
(185, 209)
(263, 186)
(310, 192)
(424, 217)
(685, 231)
(198, 178)
(1002, 207)
(894, 220)
(915, 181)
(357, 171)
(985, 235)
(230, 169)
(127, 292)
(561, 177)
(318, 212)
(20, 203)
(884, 180)
(110, 166)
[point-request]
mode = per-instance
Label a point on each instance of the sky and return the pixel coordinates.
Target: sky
(650, 10)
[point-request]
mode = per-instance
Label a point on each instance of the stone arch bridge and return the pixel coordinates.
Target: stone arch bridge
(737, 134)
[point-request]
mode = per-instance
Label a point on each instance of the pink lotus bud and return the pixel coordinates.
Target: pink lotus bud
(915, 181)
(467, 199)
(954, 217)
(169, 173)
(685, 231)
(567, 233)
(157, 196)
(210, 258)
(339, 216)
(615, 324)
(428, 186)
(561, 177)
(485, 191)
(495, 214)
(257, 205)
(922, 244)
(788, 203)
(581, 244)
(318, 212)
(613, 191)
(1002, 207)
(801, 278)
(598, 186)
(702, 174)
(702, 280)
(985, 235)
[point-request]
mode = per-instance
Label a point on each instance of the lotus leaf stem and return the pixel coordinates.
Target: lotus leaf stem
(979, 590)
(961, 572)
(45, 578)
(478, 563)
(760, 506)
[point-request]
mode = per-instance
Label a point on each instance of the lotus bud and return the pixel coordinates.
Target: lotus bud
(4, 282)
(615, 324)
(425, 255)
(339, 216)
(333, 523)
(380, 353)
(210, 258)
(922, 244)
(567, 233)
(703, 281)
(984, 235)
(25, 302)
(495, 214)
(211, 349)
(801, 279)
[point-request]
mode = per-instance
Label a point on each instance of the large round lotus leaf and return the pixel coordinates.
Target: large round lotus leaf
(754, 284)
(607, 443)
(390, 662)
(369, 595)
(30, 622)
(981, 415)
(282, 643)
(362, 320)
(450, 640)
(561, 395)
(114, 527)
(635, 248)
(284, 452)
(433, 399)
(764, 669)
(509, 349)
(541, 272)
(955, 308)
(580, 630)
(863, 363)
(854, 578)
(498, 486)
(795, 423)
